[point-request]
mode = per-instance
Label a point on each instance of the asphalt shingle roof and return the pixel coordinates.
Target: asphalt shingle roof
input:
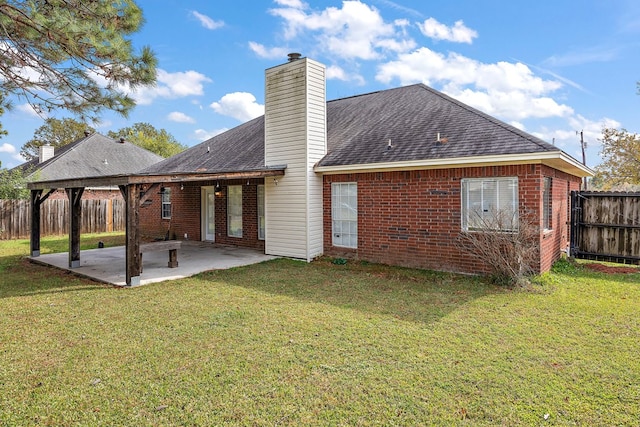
(93, 156)
(359, 129)
(238, 149)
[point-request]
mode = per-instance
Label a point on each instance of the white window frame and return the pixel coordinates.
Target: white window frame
(489, 204)
(165, 208)
(547, 203)
(234, 210)
(344, 214)
(261, 217)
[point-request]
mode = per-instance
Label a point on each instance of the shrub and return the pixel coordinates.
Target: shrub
(506, 243)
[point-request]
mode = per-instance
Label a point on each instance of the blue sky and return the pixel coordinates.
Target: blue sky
(551, 68)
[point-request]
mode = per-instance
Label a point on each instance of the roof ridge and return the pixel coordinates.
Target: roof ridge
(375, 92)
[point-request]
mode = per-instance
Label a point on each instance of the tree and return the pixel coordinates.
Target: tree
(56, 133)
(72, 55)
(621, 159)
(148, 137)
(13, 184)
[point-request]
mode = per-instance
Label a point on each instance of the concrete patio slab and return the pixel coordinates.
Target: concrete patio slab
(107, 265)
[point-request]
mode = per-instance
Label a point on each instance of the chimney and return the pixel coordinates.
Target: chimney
(121, 140)
(87, 133)
(295, 128)
(45, 153)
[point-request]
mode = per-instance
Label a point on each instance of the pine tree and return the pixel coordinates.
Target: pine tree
(72, 54)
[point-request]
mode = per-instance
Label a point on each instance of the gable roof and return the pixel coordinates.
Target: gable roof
(240, 149)
(92, 156)
(360, 128)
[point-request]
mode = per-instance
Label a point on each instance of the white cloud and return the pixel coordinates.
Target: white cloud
(171, 85)
(567, 136)
(8, 148)
(104, 124)
(268, 53)
(338, 73)
(459, 33)
(355, 31)
(296, 4)
(185, 83)
(401, 7)
(206, 21)
(176, 116)
(586, 56)
(508, 90)
(31, 111)
(592, 129)
(203, 135)
(239, 105)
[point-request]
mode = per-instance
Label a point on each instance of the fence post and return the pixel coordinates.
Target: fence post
(573, 245)
(109, 216)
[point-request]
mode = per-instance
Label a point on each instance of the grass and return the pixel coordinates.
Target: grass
(290, 343)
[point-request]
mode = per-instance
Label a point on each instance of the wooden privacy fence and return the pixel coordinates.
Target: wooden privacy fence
(605, 226)
(98, 216)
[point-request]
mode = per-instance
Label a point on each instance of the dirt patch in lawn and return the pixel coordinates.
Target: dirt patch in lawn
(612, 269)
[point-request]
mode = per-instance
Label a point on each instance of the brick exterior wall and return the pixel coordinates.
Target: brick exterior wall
(557, 239)
(413, 218)
(407, 218)
(186, 214)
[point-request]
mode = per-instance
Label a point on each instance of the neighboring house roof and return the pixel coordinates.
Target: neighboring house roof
(92, 156)
(360, 128)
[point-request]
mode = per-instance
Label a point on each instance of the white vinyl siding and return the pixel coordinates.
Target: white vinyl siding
(166, 203)
(344, 214)
(490, 204)
(261, 222)
(295, 136)
(234, 210)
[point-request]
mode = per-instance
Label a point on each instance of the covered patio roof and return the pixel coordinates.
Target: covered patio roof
(131, 189)
(120, 180)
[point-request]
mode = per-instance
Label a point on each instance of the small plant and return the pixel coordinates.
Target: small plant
(507, 243)
(565, 265)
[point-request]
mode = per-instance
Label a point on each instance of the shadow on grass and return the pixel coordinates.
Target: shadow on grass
(403, 293)
(23, 278)
(19, 277)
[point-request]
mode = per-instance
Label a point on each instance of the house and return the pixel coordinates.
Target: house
(393, 176)
(93, 159)
(91, 156)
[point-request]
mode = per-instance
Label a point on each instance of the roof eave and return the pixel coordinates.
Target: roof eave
(556, 159)
(116, 180)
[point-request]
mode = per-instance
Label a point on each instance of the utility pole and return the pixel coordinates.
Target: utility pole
(583, 145)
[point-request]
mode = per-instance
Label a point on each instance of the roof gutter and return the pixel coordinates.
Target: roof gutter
(555, 159)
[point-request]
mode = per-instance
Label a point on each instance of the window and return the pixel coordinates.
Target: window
(234, 210)
(490, 204)
(261, 222)
(166, 203)
(344, 214)
(546, 204)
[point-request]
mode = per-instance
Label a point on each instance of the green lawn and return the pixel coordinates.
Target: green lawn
(290, 343)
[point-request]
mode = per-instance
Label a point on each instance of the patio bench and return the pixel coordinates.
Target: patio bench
(168, 245)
